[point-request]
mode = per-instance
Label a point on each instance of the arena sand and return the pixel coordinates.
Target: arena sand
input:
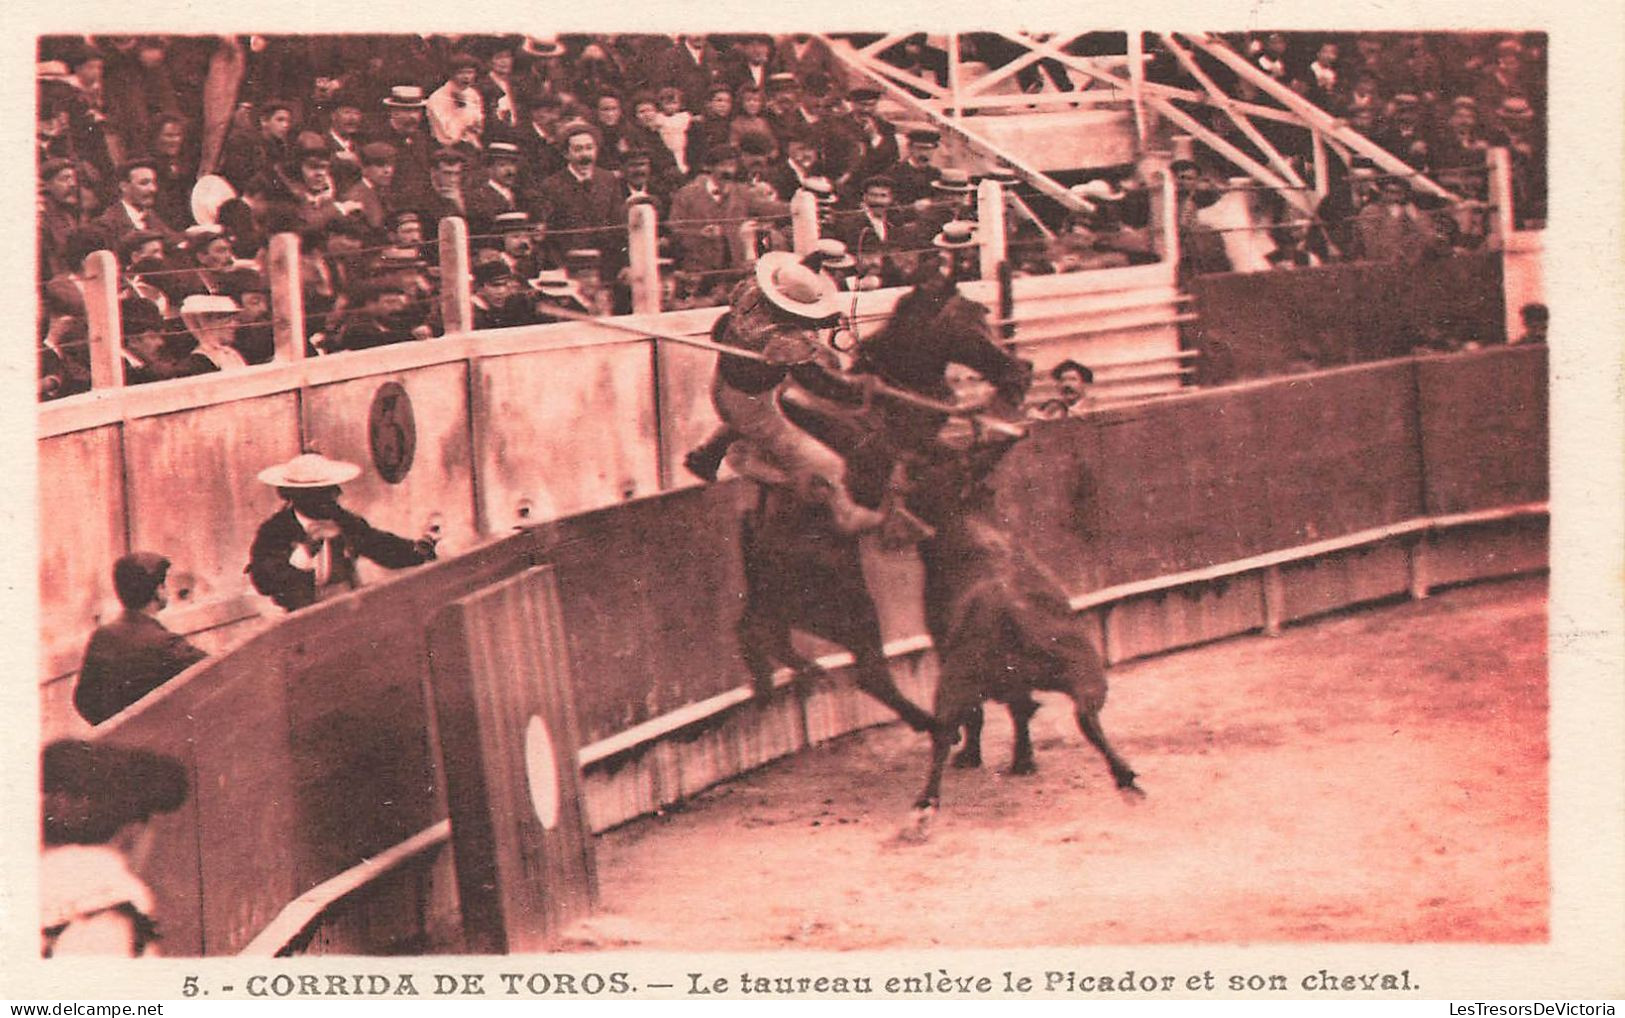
(1376, 776)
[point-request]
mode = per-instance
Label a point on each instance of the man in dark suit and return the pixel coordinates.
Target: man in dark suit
(691, 66)
(134, 654)
(858, 145)
(136, 207)
(584, 197)
(500, 191)
(309, 548)
(914, 176)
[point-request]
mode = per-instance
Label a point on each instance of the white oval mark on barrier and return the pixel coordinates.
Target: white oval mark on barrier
(541, 772)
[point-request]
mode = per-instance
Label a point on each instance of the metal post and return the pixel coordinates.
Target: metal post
(287, 299)
(990, 232)
(456, 280)
(1500, 164)
(102, 318)
(803, 222)
(643, 259)
(953, 75)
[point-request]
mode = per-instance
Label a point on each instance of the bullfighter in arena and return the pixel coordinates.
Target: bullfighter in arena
(776, 312)
(309, 548)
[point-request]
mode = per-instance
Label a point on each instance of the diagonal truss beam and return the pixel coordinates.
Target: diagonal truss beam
(1218, 98)
(1316, 117)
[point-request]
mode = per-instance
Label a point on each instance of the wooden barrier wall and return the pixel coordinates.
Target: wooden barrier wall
(313, 746)
(1256, 325)
(512, 428)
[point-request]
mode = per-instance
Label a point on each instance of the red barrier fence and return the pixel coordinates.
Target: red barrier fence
(316, 745)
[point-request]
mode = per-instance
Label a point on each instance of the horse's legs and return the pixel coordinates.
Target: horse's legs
(757, 641)
(861, 635)
(1122, 773)
(957, 697)
(874, 678)
(1021, 757)
(970, 754)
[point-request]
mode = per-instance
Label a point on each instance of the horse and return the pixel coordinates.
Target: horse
(1001, 623)
(800, 573)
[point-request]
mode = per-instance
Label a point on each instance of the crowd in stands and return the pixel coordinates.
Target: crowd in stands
(361, 145)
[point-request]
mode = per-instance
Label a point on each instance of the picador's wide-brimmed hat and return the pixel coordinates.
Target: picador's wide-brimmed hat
(310, 470)
(793, 287)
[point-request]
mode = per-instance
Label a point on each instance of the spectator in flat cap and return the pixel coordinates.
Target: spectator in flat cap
(60, 213)
(691, 66)
(800, 161)
(134, 654)
(639, 182)
(447, 195)
(1393, 229)
(373, 194)
(912, 178)
(750, 64)
(1518, 132)
(498, 302)
(801, 55)
(252, 154)
(538, 141)
(707, 213)
(96, 799)
(141, 255)
(456, 110)
(860, 144)
(500, 191)
(136, 207)
(711, 128)
(308, 549)
(381, 315)
(255, 340)
(145, 353)
(498, 88)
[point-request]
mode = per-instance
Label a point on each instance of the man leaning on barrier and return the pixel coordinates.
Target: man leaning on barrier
(308, 549)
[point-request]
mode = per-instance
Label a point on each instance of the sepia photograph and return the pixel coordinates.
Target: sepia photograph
(877, 514)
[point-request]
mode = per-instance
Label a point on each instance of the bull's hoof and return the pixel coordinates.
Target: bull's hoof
(1021, 768)
(965, 759)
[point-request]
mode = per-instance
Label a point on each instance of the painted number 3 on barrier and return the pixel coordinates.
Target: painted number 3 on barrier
(392, 434)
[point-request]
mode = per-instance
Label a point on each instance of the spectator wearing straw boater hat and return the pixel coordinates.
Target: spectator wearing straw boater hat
(134, 654)
(95, 801)
(952, 198)
(308, 549)
(777, 312)
(405, 132)
(211, 320)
